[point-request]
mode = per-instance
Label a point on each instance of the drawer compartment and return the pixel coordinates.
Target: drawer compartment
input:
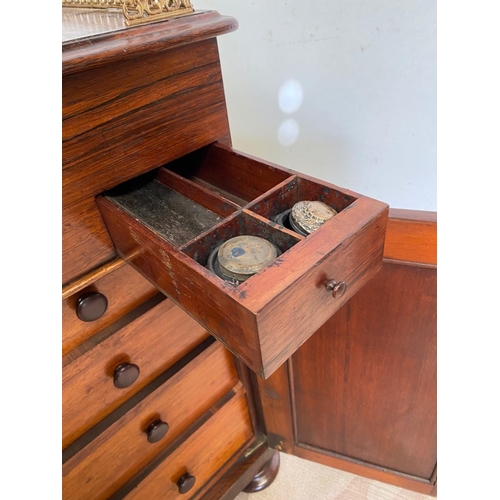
(111, 459)
(200, 456)
(265, 318)
(152, 343)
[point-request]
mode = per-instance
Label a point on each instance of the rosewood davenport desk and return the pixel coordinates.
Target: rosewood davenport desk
(182, 382)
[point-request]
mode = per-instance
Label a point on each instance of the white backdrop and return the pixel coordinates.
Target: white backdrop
(344, 90)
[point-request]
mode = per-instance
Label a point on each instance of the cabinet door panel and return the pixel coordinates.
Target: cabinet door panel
(380, 403)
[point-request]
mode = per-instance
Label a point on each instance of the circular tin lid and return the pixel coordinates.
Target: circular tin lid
(243, 256)
(310, 215)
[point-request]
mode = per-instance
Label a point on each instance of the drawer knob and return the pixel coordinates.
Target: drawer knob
(185, 483)
(125, 375)
(156, 430)
(91, 306)
(337, 289)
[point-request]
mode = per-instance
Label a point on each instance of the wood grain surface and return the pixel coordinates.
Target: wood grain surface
(88, 390)
(148, 111)
(107, 48)
(123, 449)
(124, 288)
(205, 452)
(275, 311)
(85, 241)
(360, 394)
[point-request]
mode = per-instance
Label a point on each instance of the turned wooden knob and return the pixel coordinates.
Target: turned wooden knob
(91, 306)
(125, 375)
(337, 289)
(185, 483)
(156, 430)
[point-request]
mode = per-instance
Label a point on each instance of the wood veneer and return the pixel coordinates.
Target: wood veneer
(122, 120)
(88, 390)
(376, 416)
(205, 452)
(100, 468)
(124, 288)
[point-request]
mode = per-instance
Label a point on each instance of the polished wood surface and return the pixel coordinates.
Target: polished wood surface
(360, 394)
(381, 372)
(85, 240)
(275, 311)
(265, 476)
(238, 474)
(412, 236)
(206, 451)
(124, 289)
(100, 468)
(147, 111)
(89, 391)
(86, 47)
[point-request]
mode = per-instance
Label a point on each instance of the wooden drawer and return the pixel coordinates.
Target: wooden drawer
(201, 456)
(153, 342)
(123, 449)
(266, 318)
(123, 288)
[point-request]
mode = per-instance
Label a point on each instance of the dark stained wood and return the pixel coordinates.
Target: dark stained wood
(123, 449)
(147, 111)
(274, 394)
(85, 241)
(142, 106)
(202, 455)
(275, 311)
(265, 476)
(91, 306)
(412, 236)
(125, 374)
(197, 193)
(245, 467)
(106, 49)
(89, 393)
(124, 288)
(360, 394)
(164, 210)
(381, 372)
(230, 173)
(112, 329)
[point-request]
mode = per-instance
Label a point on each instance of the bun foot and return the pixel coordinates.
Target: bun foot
(265, 476)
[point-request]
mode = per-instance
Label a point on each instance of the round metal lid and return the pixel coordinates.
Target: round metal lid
(310, 215)
(243, 256)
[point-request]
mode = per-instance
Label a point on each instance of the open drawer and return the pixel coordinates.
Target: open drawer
(170, 223)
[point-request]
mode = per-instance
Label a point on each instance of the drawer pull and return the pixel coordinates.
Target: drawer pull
(125, 375)
(156, 431)
(337, 289)
(185, 483)
(91, 306)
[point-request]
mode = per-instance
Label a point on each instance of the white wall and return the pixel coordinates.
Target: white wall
(358, 91)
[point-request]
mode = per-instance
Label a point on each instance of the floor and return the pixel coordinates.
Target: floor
(300, 479)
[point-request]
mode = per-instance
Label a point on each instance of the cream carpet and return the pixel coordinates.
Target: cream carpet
(300, 479)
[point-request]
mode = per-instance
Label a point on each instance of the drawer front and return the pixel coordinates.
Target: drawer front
(85, 242)
(104, 465)
(274, 311)
(153, 342)
(123, 289)
(201, 456)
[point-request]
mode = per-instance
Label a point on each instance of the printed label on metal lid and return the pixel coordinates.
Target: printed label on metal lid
(243, 256)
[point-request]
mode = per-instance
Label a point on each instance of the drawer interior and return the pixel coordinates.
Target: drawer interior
(204, 199)
(170, 225)
(226, 176)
